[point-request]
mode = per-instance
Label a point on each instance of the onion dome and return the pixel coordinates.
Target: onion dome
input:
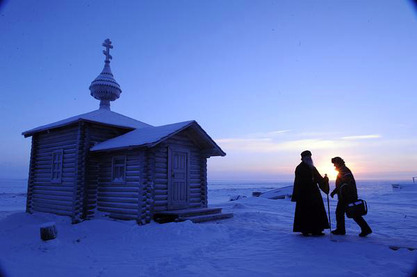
(104, 87)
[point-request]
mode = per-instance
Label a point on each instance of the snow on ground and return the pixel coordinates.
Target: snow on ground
(258, 241)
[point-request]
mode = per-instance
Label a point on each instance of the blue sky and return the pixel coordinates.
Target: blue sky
(266, 79)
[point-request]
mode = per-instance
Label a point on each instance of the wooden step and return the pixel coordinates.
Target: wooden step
(191, 212)
(195, 215)
(205, 218)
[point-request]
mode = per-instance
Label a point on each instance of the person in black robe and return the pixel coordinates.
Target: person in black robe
(310, 215)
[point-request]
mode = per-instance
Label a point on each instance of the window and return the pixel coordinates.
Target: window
(119, 166)
(57, 166)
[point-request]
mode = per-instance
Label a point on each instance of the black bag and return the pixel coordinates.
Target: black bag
(357, 208)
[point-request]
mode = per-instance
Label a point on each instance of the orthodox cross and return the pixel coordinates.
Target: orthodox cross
(107, 44)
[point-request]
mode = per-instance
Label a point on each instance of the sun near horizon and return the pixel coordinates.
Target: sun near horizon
(328, 169)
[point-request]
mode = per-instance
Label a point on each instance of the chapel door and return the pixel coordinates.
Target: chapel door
(178, 189)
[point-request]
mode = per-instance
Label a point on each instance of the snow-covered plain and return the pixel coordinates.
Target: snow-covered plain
(258, 241)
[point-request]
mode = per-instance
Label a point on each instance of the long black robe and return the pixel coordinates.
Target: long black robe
(310, 214)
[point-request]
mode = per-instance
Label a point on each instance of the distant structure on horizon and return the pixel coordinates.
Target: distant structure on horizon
(104, 163)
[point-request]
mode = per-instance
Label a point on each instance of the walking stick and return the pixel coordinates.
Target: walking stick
(330, 221)
(328, 210)
(328, 207)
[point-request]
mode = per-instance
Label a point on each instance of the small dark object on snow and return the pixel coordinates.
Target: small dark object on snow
(237, 197)
(256, 193)
(395, 248)
(48, 231)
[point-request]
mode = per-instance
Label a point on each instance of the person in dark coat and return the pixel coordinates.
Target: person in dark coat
(310, 216)
(346, 193)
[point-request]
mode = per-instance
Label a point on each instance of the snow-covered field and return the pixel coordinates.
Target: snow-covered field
(258, 241)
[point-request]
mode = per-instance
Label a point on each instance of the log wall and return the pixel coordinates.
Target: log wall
(32, 171)
(197, 173)
(146, 187)
(80, 164)
(122, 200)
(95, 133)
(76, 194)
(44, 195)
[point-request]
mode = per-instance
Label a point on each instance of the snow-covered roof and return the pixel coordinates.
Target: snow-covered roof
(151, 136)
(102, 116)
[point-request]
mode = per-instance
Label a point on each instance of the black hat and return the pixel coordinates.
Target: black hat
(338, 160)
(305, 153)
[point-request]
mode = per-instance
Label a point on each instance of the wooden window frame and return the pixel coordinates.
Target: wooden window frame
(57, 170)
(113, 168)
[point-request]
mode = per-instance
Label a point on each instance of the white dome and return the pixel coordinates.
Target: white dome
(104, 87)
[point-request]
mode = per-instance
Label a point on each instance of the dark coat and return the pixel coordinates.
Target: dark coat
(346, 186)
(310, 215)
